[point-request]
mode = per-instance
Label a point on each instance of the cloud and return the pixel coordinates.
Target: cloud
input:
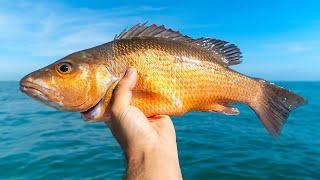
(39, 33)
(63, 28)
(45, 28)
(292, 47)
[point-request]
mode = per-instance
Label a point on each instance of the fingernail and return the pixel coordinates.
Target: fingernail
(129, 71)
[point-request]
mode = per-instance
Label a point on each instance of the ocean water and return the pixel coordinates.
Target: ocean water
(38, 142)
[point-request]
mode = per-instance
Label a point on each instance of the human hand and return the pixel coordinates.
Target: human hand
(149, 144)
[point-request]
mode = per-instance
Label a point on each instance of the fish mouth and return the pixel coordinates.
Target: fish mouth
(40, 93)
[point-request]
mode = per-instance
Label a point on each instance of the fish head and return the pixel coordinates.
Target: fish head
(75, 83)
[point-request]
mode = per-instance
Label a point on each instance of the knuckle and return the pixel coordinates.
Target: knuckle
(115, 93)
(119, 112)
(114, 110)
(124, 112)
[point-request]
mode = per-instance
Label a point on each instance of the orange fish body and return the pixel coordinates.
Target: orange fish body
(175, 78)
(176, 74)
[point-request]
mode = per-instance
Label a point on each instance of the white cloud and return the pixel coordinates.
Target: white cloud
(34, 31)
(292, 47)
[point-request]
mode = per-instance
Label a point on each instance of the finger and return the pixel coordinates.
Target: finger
(158, 117)
(161, 121)
(163, 124)
(122, 94)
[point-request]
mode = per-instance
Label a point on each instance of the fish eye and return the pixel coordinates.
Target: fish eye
(64, 68)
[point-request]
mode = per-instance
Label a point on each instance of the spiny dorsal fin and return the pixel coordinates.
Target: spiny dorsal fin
(230, 53)
(141, 30)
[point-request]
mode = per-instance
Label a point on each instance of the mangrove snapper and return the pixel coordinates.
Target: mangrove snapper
(176, 74)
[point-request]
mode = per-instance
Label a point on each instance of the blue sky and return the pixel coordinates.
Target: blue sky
(280, 40)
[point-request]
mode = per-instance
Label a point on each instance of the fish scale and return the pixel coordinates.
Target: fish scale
(179, 77)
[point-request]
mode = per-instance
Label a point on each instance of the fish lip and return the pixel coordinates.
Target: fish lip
(35, 90)
(45, 95)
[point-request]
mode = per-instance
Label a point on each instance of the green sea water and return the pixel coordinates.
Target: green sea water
(38, 142)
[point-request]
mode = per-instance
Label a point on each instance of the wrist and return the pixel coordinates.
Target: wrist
(150, 152)
(154, 163)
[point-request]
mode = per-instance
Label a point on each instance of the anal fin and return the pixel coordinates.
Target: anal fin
(224, 108)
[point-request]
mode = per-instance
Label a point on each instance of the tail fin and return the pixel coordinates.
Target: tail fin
(273, 106)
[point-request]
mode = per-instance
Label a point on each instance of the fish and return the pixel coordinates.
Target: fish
(176, 74)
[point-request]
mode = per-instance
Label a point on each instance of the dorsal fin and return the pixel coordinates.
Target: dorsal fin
(141, 30)
(230, 53)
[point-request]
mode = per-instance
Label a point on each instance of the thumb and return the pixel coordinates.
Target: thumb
(122, 94)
